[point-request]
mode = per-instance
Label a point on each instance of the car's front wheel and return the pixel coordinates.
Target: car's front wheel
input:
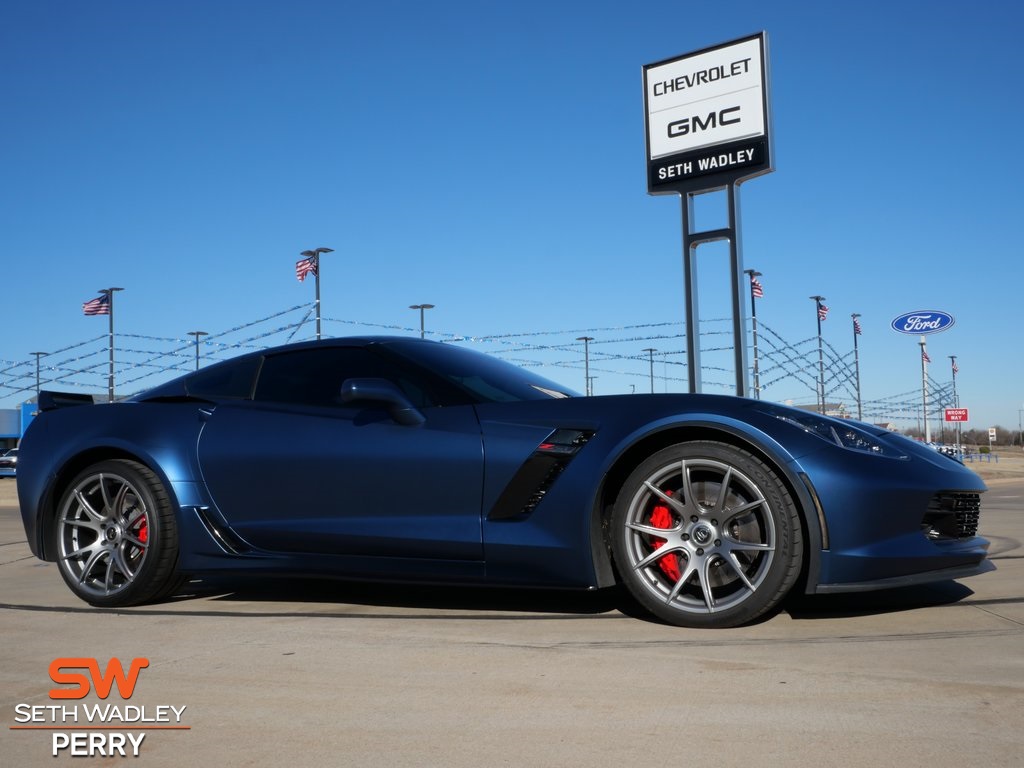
(116, 535)
(705, 534)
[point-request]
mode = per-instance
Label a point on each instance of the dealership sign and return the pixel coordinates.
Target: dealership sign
(956, 414)
(923, 321)
(707, 116)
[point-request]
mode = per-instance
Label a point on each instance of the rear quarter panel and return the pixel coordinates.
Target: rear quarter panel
(60, 443)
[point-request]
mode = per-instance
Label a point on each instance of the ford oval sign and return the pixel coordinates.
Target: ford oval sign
(923, 321)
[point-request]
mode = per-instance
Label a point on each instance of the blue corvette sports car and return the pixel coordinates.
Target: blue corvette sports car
(406, 460)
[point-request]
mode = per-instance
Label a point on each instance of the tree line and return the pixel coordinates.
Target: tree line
(979, 437)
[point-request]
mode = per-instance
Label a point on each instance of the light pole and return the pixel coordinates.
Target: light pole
(756, 291)
(856, 361)
(38, 355)
(650, 353)
(197, 334)
(109, 293)
(422, 308)
(820, 312)
(586, 361)
(1020, 427)
(314, 257)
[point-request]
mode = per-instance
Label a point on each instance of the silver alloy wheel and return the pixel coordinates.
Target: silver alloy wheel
(700, 536)
(104, 531)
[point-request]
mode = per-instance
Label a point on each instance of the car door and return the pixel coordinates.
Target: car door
(297, 470)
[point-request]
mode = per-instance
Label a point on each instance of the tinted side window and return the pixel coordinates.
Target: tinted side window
(314, 376)
(231, 380)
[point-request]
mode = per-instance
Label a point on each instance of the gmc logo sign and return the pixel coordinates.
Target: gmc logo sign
(697, 124)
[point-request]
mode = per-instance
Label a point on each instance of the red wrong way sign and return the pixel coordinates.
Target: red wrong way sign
(956, 414)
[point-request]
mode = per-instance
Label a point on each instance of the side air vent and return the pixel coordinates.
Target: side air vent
(225, 539)
(538, 474)
(952, 516)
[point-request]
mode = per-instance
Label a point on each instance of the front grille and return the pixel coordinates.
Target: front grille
(952, 516)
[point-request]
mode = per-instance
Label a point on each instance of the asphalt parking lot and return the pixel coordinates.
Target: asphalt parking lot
(350, 675)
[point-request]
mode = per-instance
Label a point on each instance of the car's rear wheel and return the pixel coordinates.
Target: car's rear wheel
(116, 535)
(705, 534)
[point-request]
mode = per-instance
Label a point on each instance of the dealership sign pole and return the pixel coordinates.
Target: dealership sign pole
(924, 389)
(921, 323)
(707, 130)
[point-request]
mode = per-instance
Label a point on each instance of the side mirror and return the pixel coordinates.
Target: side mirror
(383, 391)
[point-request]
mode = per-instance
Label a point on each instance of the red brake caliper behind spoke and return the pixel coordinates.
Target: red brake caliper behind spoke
(144, 530)
(662, 518)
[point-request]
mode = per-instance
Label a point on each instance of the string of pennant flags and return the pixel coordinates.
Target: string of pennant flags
(145, 360)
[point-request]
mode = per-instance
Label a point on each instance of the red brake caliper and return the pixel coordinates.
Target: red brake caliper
(662, 518)
(143, 531)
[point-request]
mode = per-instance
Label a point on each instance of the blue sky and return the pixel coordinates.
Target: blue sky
(489, 158)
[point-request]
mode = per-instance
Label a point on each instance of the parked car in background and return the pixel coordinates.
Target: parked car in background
(9, 463)
(953, 451)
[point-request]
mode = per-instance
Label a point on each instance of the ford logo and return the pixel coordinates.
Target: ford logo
(923, 321)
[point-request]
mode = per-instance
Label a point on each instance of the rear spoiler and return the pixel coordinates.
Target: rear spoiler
(49, 401)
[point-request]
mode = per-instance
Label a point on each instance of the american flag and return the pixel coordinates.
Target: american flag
(924, 355)
(856, 326)
(756, 288)
(956, 368)
(822, 311)
(305, 267)
(98, 306)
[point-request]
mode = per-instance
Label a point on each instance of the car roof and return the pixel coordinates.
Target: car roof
(176, 387)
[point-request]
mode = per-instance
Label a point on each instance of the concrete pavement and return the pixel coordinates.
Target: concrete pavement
(322, 673)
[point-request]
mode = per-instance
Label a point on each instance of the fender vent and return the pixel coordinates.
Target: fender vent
(538, 474)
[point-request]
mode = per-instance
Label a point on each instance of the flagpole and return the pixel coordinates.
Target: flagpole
(754, 274)
(956, 398)
(316, 277)
(856, 364)
(924, 391)
(314, 256)
(821, 357)
(109, 293)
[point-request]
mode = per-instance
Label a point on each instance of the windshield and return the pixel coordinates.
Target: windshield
(486, 378)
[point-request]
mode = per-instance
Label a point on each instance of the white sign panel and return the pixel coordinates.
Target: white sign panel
(705, 99)
(707, 116)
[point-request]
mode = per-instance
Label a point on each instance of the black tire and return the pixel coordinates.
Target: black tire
(705, 534)
(116, 535)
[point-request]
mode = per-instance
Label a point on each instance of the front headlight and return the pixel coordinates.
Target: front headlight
(838, 432)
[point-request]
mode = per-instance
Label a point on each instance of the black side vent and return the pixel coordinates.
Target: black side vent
(538, 474)
(952, 516)
(545, 484)
(221, 534)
